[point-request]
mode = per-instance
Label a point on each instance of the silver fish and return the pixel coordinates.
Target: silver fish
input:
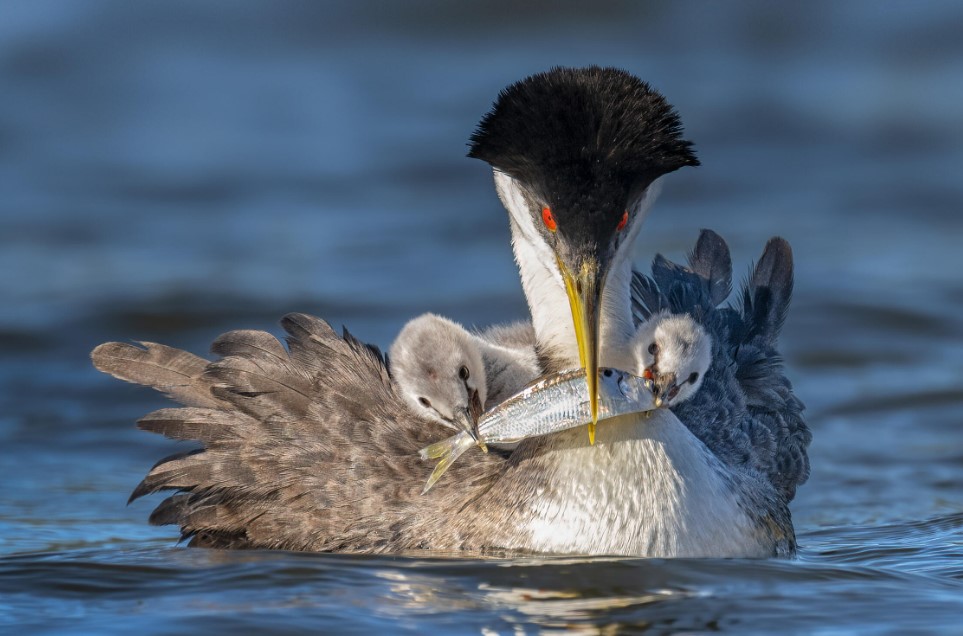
(555, 403)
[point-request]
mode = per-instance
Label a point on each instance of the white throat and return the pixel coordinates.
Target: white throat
(545, 290)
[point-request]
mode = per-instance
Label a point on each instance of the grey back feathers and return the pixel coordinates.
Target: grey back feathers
(765, 298)
(178, 374)
(711, 262)
(304, 448)
(698, 288)
(511, 362)
(745, 411)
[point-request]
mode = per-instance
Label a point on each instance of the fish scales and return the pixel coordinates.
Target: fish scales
(560, 402)
(553, 404)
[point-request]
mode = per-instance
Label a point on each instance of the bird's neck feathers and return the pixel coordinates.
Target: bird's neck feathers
(545, 290)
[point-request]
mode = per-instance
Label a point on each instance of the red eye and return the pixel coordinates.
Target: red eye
(622, 222)
(548, 219)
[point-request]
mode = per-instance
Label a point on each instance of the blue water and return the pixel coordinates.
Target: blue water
(172, 170)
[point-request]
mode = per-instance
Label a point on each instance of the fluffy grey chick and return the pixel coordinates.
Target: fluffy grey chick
(674, 352)
(438, 369)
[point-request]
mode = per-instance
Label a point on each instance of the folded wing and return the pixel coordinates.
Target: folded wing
(304, 448)
(745, 411)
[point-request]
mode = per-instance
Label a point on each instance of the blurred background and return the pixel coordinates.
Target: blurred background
(172, 170)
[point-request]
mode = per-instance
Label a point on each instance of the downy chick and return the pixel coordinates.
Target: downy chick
(438, 369)
(674, 352)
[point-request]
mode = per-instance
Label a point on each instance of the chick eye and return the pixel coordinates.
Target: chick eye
(653, 348)
(463, 373)
(622, 222)
(548, 219)
(693, 377)
(425, 402)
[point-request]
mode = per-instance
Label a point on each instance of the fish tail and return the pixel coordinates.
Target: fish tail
(446, 451)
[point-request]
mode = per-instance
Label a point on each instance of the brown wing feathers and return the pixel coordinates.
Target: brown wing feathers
(177, 373)
(303, 448)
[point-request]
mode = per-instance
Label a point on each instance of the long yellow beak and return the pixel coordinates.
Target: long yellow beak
(584, 289)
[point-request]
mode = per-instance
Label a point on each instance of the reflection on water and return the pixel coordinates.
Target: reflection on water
(456, 595)
(169, 172)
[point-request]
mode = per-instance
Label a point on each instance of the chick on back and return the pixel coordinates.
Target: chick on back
(438, 369)
(674, 352)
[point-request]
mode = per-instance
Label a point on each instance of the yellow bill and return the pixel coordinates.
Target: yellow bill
(584, 291)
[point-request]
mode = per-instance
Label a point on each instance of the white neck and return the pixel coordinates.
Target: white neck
(545, 290)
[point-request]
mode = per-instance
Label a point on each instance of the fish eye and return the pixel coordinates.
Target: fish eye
(463, 373)
(653, 348)
(425, 402)
(693, 377)
(607, 373)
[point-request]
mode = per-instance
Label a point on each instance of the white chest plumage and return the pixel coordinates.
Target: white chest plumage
(647, 488)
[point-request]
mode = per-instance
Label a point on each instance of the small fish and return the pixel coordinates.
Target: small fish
(553, 404)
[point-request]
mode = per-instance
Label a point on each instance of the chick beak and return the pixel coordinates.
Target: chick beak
(584, 289)
(474, 412)
(663, 388)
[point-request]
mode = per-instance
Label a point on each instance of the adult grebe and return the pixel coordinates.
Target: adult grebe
(311, 448)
